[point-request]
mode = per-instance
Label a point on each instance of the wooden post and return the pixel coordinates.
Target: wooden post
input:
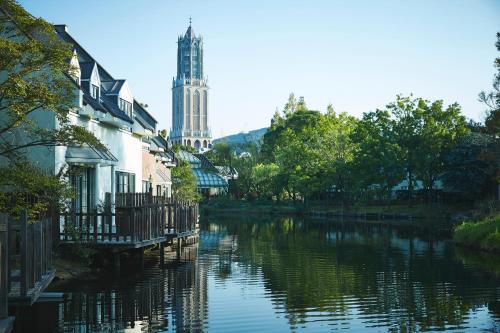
(116, 262)
(38, 250)
(179, 248)
(24, 253)
(141, 257)
(162, 253)
(4, 265)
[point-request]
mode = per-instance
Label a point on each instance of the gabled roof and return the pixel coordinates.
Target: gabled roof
(160, 142)
(61, 30)
(113, 109)
(144, 117)
(115, 88)
(86, 68)
(109, 84)
(205, 163)
(93, 102)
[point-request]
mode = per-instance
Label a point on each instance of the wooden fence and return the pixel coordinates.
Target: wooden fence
(26, 259)
(139, 219)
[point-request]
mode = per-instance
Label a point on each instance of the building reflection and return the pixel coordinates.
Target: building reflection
(169, 298)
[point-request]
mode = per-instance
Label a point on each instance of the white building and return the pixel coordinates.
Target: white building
(106, 107)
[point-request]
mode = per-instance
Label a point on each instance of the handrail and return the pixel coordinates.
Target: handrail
(25, 255)
(138, 217)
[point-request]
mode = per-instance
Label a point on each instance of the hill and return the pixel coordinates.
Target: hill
(242, 138)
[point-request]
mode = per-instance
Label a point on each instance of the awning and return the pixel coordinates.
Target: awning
(90, 155)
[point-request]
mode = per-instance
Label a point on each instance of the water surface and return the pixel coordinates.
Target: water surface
(289, 275)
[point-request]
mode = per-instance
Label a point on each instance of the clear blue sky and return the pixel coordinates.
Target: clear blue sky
(354, 54)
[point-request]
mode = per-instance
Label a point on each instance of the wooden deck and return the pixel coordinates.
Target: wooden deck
(140, 220)
(25, 263)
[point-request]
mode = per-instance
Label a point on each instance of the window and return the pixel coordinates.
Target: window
(125, 107)
(125, 182)
(145, 186)
(158, 190)
(82, 182)
(94, 91)
(196, 111)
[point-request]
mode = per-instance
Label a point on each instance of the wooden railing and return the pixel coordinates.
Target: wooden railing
(137, 218)
(26, 258)
(4, 284)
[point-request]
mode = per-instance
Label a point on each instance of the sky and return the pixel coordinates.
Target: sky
(356, 54)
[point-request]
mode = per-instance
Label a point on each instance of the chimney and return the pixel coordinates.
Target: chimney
(61, 27)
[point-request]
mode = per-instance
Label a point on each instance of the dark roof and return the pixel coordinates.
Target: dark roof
(189, 32)
(113, 109)
(111, 85)
(160, 141)
(115, 89)
(61, 31)
(205, 163)
(105, 105)
(144, 117)
(86, 68)
(93, 102)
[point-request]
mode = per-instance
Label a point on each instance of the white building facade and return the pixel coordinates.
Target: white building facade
(106, 107)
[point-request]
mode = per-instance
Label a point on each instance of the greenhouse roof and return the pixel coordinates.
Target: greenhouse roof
(188, 157)
(207, 179)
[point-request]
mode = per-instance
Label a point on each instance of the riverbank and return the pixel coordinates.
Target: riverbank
(482, 234)
(326, 209)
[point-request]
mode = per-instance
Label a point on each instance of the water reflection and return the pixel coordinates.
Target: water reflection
(167, 298)
(288, 275)
(326, 276)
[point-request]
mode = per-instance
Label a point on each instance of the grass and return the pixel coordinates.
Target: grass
(483, 234)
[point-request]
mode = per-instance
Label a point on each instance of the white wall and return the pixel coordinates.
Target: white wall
(125, 146)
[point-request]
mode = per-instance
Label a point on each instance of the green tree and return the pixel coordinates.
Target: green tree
(423, 131)
(470, 166)
(337, 149)
(297, 153)
(36, 78)
(492, 99)
(184, 182)
(249, 156)
(442, 128)
(377, 164)
(263, 179)
(220, 154)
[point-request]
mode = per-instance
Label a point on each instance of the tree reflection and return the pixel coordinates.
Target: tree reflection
(380, 276)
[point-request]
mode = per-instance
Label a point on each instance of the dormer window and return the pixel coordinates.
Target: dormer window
(125, 107)
(94, 91)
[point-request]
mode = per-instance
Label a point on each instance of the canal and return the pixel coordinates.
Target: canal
(252, 274)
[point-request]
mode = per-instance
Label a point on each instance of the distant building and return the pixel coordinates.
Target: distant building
(157, 162)
(190, 95)
(208, 180)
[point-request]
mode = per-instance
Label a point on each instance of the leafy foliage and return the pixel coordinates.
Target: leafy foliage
(184, 182)
(306, 154)
(492, 99)
(35, 79)
(484, 234)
